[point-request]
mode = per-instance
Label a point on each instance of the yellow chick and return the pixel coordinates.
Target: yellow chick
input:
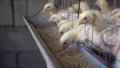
(56, 18)
(94, 28)
(83, 6)
(103, 4)
(115, 16)
(49, 7)
(75, 35)
(92, 18)
(64, 26)
(69, 17)
(71, 9)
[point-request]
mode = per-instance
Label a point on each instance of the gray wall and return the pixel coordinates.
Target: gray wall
(17, 47)
(12, 11)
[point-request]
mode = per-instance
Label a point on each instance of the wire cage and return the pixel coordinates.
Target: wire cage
(40, 20)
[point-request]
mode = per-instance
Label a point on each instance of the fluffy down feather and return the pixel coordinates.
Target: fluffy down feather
(103, 4)
(49, 7)
(71, 9)
(64, 26)
(92, 18)
(75, 35)
(115, 16)
(94, 28)
(83, 6)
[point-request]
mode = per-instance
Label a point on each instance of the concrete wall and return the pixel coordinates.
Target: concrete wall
(17, 47)
(12, 11)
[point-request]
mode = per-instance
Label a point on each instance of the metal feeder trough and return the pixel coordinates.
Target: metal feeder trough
(97, 58)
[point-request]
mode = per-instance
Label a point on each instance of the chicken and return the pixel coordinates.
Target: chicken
(69, 17)
(92, 18)
(71, 9)
(114, 11)
(83, 7)
(116, 64)
(116, 50)
(115, 16)
(94, 27)
(64, 26)
(107, 12)
(103, 4)
(49, 7)
(110, 35)
(56, 18)
(72, 36)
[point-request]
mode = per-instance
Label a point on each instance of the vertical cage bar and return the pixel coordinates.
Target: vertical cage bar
(13, 13)
(79, 8)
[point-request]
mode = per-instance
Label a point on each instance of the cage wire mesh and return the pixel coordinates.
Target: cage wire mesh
(106, 57)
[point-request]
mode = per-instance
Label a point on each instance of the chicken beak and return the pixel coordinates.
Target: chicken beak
(58, 26)
(79, 22)
(96, 3)
(64, 47)
(112, 17)
(50, 20)
(117, 47)
(44, 10)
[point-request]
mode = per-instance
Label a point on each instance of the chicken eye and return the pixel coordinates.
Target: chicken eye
(97, 1)
(48, 7)
(53, 17)
(115, 12)
(119, 16)
(64, 43)
(85, 18)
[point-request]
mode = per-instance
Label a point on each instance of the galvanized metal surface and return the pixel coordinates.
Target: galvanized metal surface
(47, 55)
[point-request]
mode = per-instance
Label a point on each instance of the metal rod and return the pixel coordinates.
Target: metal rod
(27, 7)
(79, 8)
(13, 13)
(17, 59)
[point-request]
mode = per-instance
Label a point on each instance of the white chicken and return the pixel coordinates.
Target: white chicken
(116, 50)
(103, 4)
(110, 35)
(94, 26)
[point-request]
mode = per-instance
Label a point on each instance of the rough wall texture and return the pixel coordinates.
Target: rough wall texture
(5, 13)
